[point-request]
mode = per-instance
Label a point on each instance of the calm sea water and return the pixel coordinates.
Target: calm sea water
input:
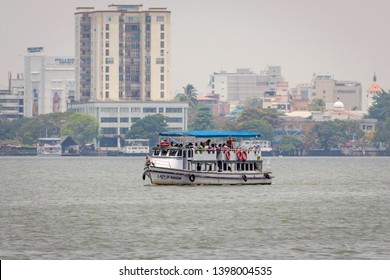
(100, 208)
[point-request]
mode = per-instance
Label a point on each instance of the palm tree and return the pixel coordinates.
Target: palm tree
(190, 95)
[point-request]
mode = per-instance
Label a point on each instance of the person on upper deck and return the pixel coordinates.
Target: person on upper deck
(230, 141)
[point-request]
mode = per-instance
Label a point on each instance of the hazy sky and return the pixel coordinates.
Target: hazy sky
(348, 38)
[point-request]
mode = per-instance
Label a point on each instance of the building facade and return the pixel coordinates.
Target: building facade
(12, 99)
(269, 86)
(49, 82)
(116, 117)
(325, 87)
(122, 54)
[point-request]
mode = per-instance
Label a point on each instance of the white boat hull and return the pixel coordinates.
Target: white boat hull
(168, 176)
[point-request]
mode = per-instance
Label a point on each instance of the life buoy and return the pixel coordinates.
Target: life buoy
(244, 156)
(238, 155)
(192, 177)
(244, 177)
(164, 143)
(227, 154)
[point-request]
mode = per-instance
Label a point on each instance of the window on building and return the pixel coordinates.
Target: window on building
(149, 110)
(175, 120)
(107, 35)
(162, 35)
(160, 18)
(107, 27)
(107, 94)
(162, 44)
(109, 120)
(162, 78)
(109, 130)
(136, 110)
(107, 69)
(133, 120)
(161, 110)
(174, 110)
(107, 77)
(162, 27)
(162, 95)
(125, 120)
(159, 60)
(123, 130)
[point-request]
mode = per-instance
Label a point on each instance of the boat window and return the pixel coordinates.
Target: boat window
(179, 153)
(164, 152)
(156, 152)
(172, 153)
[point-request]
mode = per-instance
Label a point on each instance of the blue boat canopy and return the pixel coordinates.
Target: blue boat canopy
(211, 134)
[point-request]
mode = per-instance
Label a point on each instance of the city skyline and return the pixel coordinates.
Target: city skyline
(349, 40)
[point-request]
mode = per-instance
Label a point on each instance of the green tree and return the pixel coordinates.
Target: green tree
(41, 126)
(290, 146)
(148, 128)
(81, 127)
(258, 126)
(189, 95)
(330, 134)
(383, 133)
(317, 104)
(203, 120)
(380, 109)
(250, 114)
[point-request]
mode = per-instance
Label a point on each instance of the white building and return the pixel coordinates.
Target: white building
(268, 86)
(123, 54)
(116, 118)
(12, 99)
(49, 82)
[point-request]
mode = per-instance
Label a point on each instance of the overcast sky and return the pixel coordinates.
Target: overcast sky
(347, 38)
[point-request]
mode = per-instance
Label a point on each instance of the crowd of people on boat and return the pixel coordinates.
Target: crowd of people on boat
(201, 147)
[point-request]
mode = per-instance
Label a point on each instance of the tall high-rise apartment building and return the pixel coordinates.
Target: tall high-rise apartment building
(122, 54)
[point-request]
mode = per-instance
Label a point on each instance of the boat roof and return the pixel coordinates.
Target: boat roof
(211, 134)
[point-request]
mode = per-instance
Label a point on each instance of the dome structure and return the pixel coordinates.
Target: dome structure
(338, 105)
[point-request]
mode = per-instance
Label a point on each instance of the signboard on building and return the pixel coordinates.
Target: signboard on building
(35, 50)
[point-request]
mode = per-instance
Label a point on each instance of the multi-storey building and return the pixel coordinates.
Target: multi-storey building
(12, 99)
(49, 82)
(325, 87)
(268, 86)
(123, 54)
(115, 118)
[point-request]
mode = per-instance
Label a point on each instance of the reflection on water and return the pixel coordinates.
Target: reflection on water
(100, 208)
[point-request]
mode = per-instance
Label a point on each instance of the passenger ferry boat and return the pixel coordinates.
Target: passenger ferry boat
(136, 147)
(181, 159)
(49, 147)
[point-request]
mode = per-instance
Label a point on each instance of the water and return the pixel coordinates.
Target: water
(100, 208)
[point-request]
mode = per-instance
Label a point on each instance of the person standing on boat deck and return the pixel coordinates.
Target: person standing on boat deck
(201, 147)
(229, 142)
(219, 157)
